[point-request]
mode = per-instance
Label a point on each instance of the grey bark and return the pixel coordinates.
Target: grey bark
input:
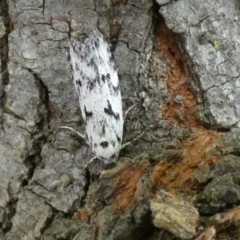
(41, 183)
(209, 32)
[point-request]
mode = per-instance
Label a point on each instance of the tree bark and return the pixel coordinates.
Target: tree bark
(179, 61)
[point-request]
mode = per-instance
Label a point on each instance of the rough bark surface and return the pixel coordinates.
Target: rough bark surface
(179, 60)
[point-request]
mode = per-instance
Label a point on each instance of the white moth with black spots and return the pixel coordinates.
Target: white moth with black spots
(96, 81)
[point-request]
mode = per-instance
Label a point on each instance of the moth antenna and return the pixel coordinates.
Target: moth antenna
(128, 143)
(73, 130)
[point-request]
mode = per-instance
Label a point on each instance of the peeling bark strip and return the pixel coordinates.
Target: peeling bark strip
(122, 185)
(173, 213)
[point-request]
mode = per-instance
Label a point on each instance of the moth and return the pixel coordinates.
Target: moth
(96, 82)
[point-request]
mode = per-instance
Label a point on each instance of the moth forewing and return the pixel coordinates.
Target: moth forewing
(96, 82)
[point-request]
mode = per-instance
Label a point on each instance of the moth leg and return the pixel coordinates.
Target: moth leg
(73, 130)
(127, 143)
(91, 160)
(129, 109)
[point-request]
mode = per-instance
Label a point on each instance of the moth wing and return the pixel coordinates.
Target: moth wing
(96, 81)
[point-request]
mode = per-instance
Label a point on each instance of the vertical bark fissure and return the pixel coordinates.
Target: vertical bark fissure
(4, 79)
